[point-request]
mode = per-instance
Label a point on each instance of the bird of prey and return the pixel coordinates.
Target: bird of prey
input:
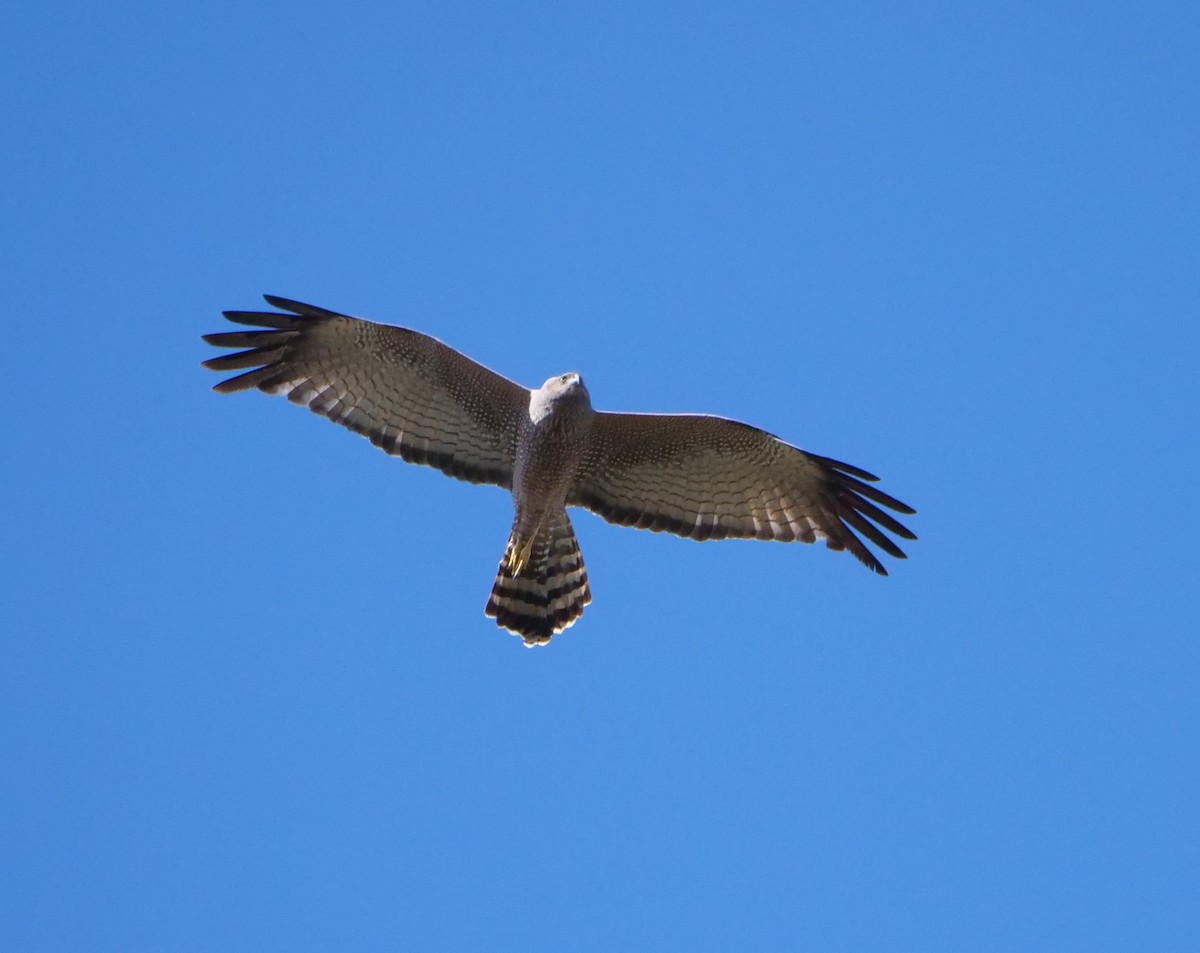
(696, 476)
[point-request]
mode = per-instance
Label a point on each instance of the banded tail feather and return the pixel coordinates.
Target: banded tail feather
(541, 586)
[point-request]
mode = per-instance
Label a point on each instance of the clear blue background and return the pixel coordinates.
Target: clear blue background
(248, 696)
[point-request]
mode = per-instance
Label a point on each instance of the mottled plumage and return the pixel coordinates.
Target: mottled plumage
(696, 476)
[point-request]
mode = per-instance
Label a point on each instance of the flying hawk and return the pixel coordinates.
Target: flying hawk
(697, 476)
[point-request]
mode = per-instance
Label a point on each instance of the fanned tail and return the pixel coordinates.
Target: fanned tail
(541, 586)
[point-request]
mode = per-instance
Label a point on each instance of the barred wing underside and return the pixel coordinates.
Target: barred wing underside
(408, 393)
(710, 478)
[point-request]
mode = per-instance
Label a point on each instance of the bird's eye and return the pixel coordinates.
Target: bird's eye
(564, 378)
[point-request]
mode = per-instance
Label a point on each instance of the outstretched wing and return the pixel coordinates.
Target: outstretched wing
(710, 478)
(409, 393)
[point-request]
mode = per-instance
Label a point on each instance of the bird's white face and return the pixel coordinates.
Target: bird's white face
(562, 383)
(562, 387)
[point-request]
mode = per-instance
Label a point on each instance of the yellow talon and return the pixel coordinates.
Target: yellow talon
(516, 556)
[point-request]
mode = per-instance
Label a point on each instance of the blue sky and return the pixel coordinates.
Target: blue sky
(248, 696)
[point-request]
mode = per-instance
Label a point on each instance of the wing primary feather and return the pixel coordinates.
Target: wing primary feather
(246, 381)
(856, 520)
(885, 520)
(844, 538)
(872, 493)
(845, 467)
(300, 308)
(255, 358)
(266, 319)
(862, 554)
(248, 338)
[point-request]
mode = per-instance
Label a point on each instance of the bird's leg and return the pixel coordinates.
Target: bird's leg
(517, 553)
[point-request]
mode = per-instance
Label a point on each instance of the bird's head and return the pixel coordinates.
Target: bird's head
(560, 391)
(564, 384)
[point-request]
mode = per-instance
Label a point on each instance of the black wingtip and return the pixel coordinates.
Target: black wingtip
(849, 468)
(264, 319)
(300, 308)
